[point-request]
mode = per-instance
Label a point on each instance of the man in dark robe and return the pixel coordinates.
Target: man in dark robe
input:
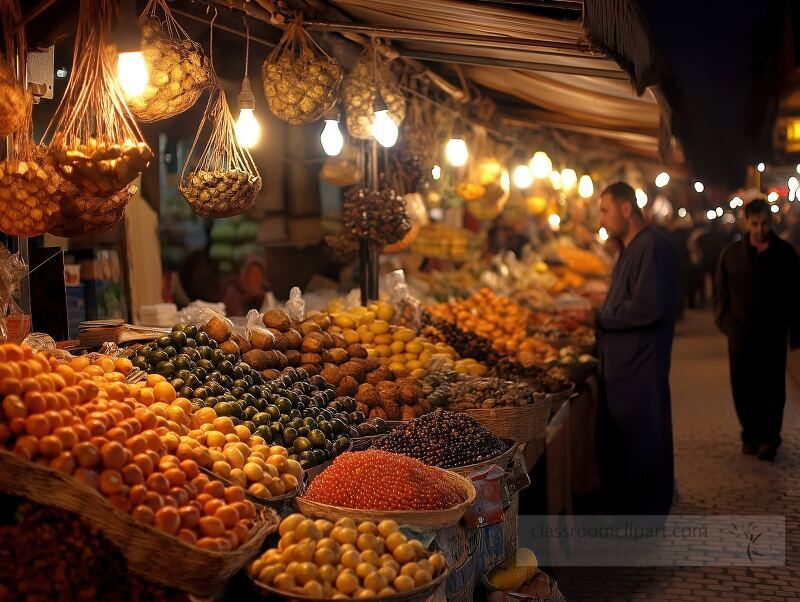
(635, 327)
(755, 305)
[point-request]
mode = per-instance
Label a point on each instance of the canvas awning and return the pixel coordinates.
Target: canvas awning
(573, 65)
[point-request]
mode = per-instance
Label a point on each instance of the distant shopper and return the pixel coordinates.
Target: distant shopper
(635, 327)
(756, 306)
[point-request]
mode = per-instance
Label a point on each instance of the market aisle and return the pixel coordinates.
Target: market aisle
(713, 477)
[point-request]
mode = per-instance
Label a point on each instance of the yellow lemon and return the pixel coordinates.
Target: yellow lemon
(358, 310)
(411, 356)
(367, 318)
(367, 337)
(383, 350)
(383, 339)
(419, 373)
(414, 347)
(413, 365)
(398, 347)
(397, 367)
(385, 312)
(379, 327)
(351, 336)
(344, 321)
(404, 334)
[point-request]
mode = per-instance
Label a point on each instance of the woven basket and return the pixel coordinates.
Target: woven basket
(520, 424)
(432, 519)
(419, 594)
(504, 461)
(149, 552)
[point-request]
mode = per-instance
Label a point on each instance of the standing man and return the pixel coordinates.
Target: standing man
(755, 305)
(635, 327)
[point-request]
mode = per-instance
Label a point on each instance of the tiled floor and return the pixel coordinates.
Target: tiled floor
(713, 477)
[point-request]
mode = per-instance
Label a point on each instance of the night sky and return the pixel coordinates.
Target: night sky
(721, 56)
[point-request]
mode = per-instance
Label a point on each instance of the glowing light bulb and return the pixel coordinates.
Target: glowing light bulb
(641, 198)
(774, 209)
(248, 131)
(792, 183)
(456, 152)
(662, 179)
(711, 214)
(523, 178)
(585, 187)
(761, 167)
(603, 234)
(698, 186)
(331, 138)
(797, 168)
(540, 165)
(554, 220)
(384, 129)
(568, 179)
(555, 180)
(132, 73)
(682, 212)
(436, 172)
(772, 196)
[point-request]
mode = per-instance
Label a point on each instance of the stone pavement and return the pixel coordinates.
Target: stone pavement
(713, 477)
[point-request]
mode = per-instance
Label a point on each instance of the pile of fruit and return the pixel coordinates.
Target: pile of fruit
(51, 554)
(379, 480)
(457, 392)
(121, 439)
(514, 570)
(320, 559)
(444, 439)
(500, 320)
(444, 242)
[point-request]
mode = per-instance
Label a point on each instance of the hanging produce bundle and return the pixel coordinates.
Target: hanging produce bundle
(15, 100)
(379, 215)
(96, 143)
(179, 71)
(79, 214)
(225, 180)
(300, 80)
(343, 245)
(370, 81)
(27, 185)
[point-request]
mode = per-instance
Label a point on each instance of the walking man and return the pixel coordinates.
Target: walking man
(635, 327)
(755, 305)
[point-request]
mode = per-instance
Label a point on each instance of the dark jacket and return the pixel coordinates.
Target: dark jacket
(757, 294)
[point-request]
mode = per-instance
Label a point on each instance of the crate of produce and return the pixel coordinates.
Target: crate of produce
(148, 551)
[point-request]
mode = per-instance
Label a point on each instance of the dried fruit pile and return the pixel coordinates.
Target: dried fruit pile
(444, 439)
(379, 215)
(53, 555)
(130, 442)
(458, 392)
(321, 559)
(379, 480)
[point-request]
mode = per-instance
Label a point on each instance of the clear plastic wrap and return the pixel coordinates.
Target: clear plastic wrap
(296, 306)
(40, 341)
(255, 326)
(200, 316)
(407, 308)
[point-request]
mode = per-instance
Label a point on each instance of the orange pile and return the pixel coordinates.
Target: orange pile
(123, 440)
(500, 320)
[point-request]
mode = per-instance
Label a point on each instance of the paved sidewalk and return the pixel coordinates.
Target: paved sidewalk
(713, 477)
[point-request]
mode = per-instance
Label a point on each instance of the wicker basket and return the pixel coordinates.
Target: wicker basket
(432, 519)
(152, 553)
(504, 461)
(520, 424)
(419, 594)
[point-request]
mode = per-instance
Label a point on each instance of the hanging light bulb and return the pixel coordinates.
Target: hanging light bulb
(132, 73)
(555, 180)
(436, 172)
(761, 167)
(456, 152)
(603, 234)
(662, 179)
(585, 187)
(641, 198)
(384, 129)
(331, 138)
(247, 128)
(568, 179)
(698, 187)
(523, 178)
(682, 212)
(540, 165)
(554, 220)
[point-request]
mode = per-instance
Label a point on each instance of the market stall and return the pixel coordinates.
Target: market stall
(372, 436)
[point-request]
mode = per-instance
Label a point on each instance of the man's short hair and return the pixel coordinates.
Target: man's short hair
(757, 207)
(622, 192)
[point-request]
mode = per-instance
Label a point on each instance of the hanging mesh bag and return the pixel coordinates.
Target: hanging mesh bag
(300, 80)
(225, 181)
(15, 100)
(96, 143)
(178, 69)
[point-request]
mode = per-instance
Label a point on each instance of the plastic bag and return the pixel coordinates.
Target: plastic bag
(225, 180)
(178, 68)
(407, 308)
(15, 100)
(256, 332)
(300, 80)
(200, 316)
(12, 270)
(296, 306)
(96, 143)
(40, 341)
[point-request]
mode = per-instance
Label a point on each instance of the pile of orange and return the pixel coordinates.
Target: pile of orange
(123, 440)
(500, 320)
